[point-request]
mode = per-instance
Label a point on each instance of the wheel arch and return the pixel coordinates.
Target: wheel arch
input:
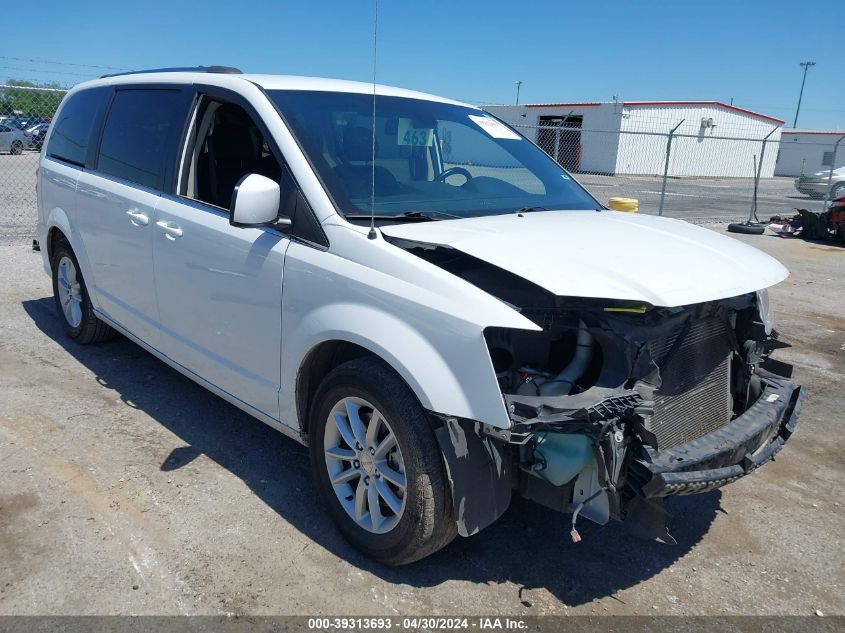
(449, 371)
(318, 362)
(58, 227)
(54, 235)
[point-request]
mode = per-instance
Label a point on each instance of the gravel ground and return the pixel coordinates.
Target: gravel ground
(700, 200)
(125, 488)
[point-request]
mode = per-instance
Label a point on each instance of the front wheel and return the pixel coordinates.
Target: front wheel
(16, 149)
(378, 466)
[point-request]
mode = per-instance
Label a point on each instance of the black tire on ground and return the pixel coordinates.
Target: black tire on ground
(90, 329)
(427, 523)
(16, 148)
(747, 229)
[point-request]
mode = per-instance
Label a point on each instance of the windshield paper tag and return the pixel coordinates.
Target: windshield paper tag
(493, 127)
(414, 136)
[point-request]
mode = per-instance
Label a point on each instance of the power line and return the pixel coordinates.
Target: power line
(46, 72)
(47, 61)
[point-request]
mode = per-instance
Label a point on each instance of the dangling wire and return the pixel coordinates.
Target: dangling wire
(372, 233)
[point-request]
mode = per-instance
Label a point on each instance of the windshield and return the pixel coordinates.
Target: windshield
(433, 160)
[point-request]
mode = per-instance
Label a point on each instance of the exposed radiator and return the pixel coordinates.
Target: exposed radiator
(694, 398)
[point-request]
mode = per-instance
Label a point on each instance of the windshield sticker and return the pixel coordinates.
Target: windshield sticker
(407, 134)
(565, 176)
(493, 127)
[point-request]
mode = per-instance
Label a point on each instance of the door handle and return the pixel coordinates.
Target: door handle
(171, 229)
(137, 218)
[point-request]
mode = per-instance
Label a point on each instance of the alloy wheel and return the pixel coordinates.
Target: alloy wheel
(365, 465)
(70, 291)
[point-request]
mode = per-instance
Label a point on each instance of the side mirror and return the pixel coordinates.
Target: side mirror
(255, 201)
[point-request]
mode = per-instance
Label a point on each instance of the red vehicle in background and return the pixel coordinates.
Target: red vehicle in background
(836, 218)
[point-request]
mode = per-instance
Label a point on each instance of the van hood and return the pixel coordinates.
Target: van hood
(607, 254)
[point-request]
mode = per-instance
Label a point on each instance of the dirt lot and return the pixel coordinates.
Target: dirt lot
(125, 488)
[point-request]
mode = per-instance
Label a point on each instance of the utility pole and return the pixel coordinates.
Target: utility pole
(518, 85)
(806, 67)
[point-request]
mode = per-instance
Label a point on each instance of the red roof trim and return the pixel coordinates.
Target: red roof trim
(815, 133)
(562, 105)
(719, 104)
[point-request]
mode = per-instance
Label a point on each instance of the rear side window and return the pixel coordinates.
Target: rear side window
(142, 130)
(76, 126)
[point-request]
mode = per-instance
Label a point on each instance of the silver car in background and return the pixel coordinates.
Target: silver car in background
(816, 185)
(12, 139)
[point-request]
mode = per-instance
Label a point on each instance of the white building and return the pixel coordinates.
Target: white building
(713, 139)
(806, 151)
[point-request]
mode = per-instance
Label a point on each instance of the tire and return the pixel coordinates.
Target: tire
(426, 522)
(72, 300)
(16, 148)
(747, 229)
(837, 191)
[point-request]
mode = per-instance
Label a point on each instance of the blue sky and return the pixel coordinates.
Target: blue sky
(465, 49)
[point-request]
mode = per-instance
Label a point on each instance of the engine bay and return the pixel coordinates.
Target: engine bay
(607, 386)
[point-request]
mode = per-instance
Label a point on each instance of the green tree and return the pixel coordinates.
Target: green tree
(28, 98)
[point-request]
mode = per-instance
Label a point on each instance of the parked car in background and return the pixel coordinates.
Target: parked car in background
(17, 122)
(37, 134)
(816, 185)
(12, 139)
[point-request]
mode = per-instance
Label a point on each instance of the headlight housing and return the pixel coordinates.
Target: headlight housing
(765, 309)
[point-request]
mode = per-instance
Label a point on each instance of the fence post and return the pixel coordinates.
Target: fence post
(757, 173)
(830, 173)
(666, 166)
(560, 124)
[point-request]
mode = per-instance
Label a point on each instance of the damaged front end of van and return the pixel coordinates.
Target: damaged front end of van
(616, 404)
(615, 407)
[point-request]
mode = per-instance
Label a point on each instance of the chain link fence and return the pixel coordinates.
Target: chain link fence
(25, 114)
(673, 168)
(695, 177)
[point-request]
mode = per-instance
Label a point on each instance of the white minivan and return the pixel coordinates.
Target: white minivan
(417, 292)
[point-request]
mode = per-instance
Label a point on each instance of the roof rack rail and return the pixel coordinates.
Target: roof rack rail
(225, 70)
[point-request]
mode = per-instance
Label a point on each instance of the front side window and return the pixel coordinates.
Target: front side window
(141, 133)
(424, 157)
(76, 125)
(229, 145)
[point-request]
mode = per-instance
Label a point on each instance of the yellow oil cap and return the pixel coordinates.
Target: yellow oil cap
(631, 205)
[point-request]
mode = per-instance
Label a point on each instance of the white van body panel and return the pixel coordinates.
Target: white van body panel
(219, 292)
(424, 322)
(56, 205)
(115, 224)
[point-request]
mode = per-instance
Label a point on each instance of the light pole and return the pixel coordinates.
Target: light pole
(518, 85)
(806, 67)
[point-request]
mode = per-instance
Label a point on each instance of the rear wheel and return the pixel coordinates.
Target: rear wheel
(72, 301)
(378, 466)
(837, 191)
(17, 148)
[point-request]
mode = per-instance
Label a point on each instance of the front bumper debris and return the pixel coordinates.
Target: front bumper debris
(729, 453)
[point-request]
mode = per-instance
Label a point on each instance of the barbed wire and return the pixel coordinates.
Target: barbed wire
(59, 63)
(48, 72)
